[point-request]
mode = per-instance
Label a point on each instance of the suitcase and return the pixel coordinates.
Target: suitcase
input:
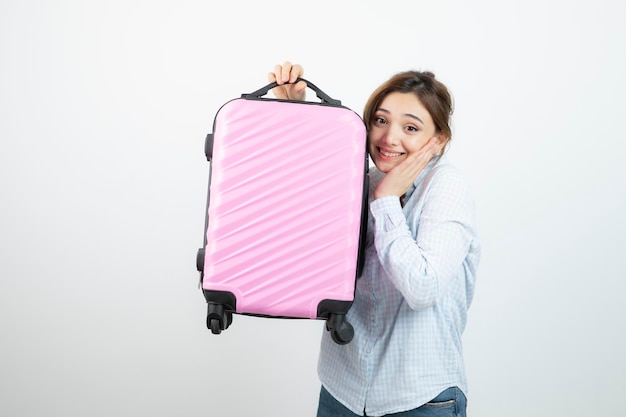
(286, 210)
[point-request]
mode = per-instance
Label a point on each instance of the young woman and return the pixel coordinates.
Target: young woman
(422, 252)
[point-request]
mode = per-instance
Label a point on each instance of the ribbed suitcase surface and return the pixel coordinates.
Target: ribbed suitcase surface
(284, 210)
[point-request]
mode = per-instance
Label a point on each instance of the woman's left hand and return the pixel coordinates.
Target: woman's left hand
(400, 178)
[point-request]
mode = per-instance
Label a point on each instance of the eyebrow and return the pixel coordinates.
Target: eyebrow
(412, 116)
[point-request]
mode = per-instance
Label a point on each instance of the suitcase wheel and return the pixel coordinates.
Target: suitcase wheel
(218, 318)
(208, 146)
(214, 325)
(341, 331)
(200, 260)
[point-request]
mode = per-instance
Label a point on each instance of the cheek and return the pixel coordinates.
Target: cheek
(372, 138)
(415, 144)
(370, 146)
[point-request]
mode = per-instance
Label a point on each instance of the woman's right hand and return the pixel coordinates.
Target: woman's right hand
(285, 76)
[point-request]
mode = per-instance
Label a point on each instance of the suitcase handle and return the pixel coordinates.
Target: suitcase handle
(325, 98)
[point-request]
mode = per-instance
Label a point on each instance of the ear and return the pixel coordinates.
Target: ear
(442, 141)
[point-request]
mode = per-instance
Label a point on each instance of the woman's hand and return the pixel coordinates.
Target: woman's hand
(285, 75)
(400, 178)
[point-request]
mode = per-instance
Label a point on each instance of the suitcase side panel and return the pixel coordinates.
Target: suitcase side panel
(285, 205)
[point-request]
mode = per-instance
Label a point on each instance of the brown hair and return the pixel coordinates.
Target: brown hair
(433, 95)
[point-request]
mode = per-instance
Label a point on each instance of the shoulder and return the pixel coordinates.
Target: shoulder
(444, 167)
(449, 186)
(446, 173)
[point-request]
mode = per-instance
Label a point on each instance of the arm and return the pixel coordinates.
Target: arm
(422, 267)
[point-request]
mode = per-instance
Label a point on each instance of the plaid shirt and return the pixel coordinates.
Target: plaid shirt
(411, 301)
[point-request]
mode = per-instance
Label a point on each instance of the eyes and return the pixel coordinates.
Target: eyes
(381, 121)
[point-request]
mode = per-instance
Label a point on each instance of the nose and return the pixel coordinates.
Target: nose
(393, 136)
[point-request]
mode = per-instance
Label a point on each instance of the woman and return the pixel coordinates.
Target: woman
(421, 256)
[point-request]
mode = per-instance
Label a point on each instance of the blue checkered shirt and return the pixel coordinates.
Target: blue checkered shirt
(411, 301)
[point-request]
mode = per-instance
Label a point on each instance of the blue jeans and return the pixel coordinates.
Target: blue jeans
(450, 403)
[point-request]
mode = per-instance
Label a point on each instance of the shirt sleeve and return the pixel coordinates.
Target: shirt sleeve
(421, 264)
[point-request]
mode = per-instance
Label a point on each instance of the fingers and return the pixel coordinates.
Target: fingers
(415, 162)
(287, 72)
(296, 72)
(280, 71)
(400, 178)
(428, 150)
(299, 87)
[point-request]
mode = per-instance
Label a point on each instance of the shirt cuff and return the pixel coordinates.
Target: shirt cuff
(387, 213)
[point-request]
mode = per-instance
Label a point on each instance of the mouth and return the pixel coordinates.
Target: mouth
(387, 154)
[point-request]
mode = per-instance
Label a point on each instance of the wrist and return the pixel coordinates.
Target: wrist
(382, 193)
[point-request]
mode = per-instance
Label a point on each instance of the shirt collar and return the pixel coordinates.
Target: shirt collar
(433, 161)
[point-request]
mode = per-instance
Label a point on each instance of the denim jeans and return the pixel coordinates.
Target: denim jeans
(449, 403)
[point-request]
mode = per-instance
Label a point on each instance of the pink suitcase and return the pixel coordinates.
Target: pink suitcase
(286, 211)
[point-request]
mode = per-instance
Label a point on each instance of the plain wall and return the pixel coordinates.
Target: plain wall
(104, 107)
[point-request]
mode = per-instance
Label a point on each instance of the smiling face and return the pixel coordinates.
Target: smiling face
(400, 125)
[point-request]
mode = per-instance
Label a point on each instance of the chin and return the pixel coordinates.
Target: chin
(382, 166)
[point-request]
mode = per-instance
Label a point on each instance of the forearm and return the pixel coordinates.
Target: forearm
(420, 267)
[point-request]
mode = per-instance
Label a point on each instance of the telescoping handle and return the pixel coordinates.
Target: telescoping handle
(325, 98)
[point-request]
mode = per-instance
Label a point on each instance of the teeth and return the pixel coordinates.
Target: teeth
(390, 154)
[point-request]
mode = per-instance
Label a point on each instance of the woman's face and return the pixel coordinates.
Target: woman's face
(401, 126)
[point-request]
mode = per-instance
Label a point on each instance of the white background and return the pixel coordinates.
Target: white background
(104, 107)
